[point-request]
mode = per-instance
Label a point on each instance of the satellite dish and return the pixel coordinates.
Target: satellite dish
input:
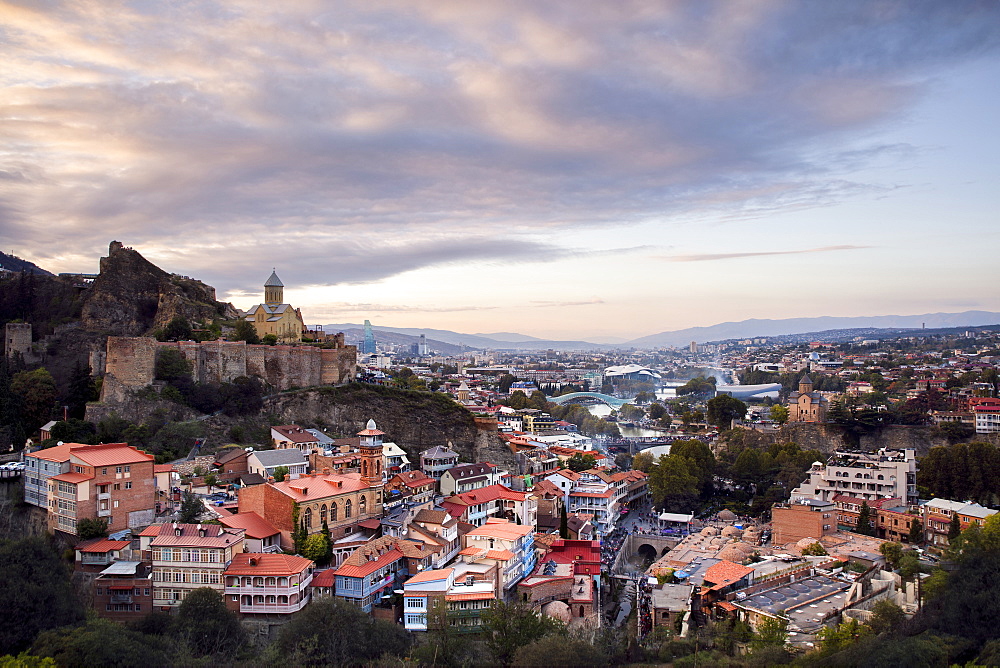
(59, 442)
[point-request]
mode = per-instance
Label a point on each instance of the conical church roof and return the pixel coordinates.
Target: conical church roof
(274, 281)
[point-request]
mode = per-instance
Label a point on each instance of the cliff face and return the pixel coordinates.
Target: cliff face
(413, 420)
(828, 438)
(132, 297)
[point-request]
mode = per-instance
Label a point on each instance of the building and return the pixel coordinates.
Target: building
(669, 603)
(464, 595)
(414, 486)
(436, 528)
(378, 567)
(805, 405)
(230, 464)
(477, 506)
(270, 584)
(937, 516)
(74, 481)
(188, 556)
(511, 546)
(569, 572)
(265, 462)
(259, 535)
(987, 419)
(435, 461)
(804, 518)
(274, 317)
(294, 436)
(886, 474)
(467, 477)
(849, 509)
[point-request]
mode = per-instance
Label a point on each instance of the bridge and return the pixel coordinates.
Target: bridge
(614, 402)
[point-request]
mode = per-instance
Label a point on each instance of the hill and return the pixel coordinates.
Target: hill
(14, 264)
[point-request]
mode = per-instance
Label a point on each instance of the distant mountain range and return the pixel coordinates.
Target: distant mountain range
(450, 343)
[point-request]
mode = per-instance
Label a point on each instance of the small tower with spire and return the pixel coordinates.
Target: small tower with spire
(371, 454)
(274, 290)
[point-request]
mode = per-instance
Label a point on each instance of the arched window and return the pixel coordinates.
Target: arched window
(362, 505)
(333, 512)
(309, 518)
(347, 509)
(322, 513)
(364, 467)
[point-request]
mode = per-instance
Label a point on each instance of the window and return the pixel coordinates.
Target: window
(128, 469)
(104, 471)
(117, 486)
(333, 512)
(128, 485)
(322, 513)
(347, 509)
(362, 505)
(415, 603)
(309, 518)
(118, 469)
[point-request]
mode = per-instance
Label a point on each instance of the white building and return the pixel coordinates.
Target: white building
(885, 474)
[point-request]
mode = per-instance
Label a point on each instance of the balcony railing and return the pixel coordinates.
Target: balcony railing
(278, 591)
(104, 497)
(104, 513)
(278, 608)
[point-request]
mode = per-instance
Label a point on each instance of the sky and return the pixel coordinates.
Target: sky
(571, 170)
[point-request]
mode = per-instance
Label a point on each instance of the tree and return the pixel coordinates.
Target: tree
(581, 462)
(955, 528)
(814, 550)
(510, 626)
(206, 625)
(36, 594)
(191, 508)
(81, 389)
(316, 547)
(642, 462)
(243, 396)
(656, 411)
(916, 531)
(865, 520)
(171, 366)
(101, 642)
(446, 646)
(723, 409)
(332, 632)
(886, 616)
(269, 339)
(771, 632)
(892, 552)
(280, 473)
(91, 527)
(178, 329)
(671, 483)
(563, 522)
(37, 392)
(506, 381)
(779, 413)
(244, 331)
(556, 650)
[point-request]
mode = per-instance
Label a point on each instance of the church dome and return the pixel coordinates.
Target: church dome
(273, 281)
(371, 424)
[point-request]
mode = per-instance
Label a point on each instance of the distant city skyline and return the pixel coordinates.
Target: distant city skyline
(563, 170)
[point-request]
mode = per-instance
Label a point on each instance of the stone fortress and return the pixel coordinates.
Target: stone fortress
(128, 363)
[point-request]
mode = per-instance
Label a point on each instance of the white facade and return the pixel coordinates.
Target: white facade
(881, 475)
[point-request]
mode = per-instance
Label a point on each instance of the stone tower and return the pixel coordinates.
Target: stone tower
(371, 454)
(274, 290)
(805, 385)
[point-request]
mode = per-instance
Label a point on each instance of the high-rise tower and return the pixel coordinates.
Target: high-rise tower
(368, 346)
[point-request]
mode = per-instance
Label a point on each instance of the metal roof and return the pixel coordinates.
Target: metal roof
(273, 281)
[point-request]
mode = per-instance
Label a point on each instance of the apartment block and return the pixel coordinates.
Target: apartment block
(188, 556)
(885, 474)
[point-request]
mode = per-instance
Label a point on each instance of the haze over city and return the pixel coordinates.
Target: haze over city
(566, 170)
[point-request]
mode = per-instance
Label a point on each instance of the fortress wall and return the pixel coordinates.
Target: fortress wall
(17, 338)
(131, 360)
(255, 361)
(232, 356)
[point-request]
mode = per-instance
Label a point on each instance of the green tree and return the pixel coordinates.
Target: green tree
(865, 527)
(280, 473)
(771, 632)
(581, 462)
(91, 527)
(244, 331)
(101, 642)
(723, 409)
(178, 329)
(672, 485)
(642, 462)
(892, 552)
(191, 508)
(656, 411)
(81, 389)
(563, 522)
(171, 366)
(332, 632)
(37, 392)
(779, 413)
(269, 339)
(916, 531)
(954, 528)
(506, 381)
(445, 645)
(814, 550)
(556, 650)
(206, 625)
(36, 594)
(510, 626)
(316, 547)
(886, 616)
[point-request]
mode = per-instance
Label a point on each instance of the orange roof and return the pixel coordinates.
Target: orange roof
(430, 576)
(324, 578)
(59, 453)
(380, 552)
(368, 567)
(725, 573)
(110, 454)
(726, 605)
(314, 487)
(254, 525)
(162, 468)
(487, 494)
(594, 495)
(414, 478)
(72, 477)
(103, 545)
(500, 555)
(151, 530)
(497, 528)
(481, 596)
(250, 563)
(216, 535)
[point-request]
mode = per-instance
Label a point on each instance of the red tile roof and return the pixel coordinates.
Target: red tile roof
(295, 434)
(725, 573)
(110, 454)
(253, 524)
(325, 578)
(250, 563)
(103, 545)
(314, 487)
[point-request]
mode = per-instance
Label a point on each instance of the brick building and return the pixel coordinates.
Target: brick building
(808, 518)
(74, 481)
(188, 556)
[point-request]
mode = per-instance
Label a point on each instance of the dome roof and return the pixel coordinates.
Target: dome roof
(806, 542)
(371, 424)
(744, 548)
(557, 610)
(727, 515)
(730, 532)
(709, 531)
(731, 554)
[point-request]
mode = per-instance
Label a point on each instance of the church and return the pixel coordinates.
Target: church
(807, 405)
(274, 316)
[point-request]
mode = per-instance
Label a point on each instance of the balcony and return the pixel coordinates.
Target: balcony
(104, 513)
(121, 598)
(274, 608)
(104, 497)
(276, 591)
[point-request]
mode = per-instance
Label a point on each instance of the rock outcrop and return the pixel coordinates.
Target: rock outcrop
(133, 297)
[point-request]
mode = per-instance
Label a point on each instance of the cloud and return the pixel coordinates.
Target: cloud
(707, 257)
(586, 302)
(344, 307)
(372, 141)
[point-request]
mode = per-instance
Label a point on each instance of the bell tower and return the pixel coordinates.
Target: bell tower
(371, 455)
(274, 290)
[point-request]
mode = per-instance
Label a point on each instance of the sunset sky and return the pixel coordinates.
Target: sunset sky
(574, 170)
